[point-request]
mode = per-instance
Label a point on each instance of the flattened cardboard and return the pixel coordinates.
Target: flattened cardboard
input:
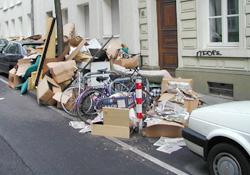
(116, 116)
(164, 129)
(23, 65)
(166, 80)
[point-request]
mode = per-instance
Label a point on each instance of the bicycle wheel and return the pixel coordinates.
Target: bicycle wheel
(69, 98)
(89, 103)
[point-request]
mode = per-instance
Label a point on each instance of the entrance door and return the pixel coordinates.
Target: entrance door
(167, 33)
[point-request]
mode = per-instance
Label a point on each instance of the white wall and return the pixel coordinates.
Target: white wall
(129, 19)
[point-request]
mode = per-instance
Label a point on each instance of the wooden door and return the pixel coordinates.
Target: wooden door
(167, 35)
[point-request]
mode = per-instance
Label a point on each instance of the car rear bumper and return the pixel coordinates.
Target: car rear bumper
(195, 141)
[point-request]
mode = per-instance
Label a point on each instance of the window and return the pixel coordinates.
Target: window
(224, 21)
(86, 17)
(115, 17)
(64, 16)
(12, 49)
(111, 18)
(83, 28)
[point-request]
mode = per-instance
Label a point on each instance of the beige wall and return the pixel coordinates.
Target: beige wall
(231, 66)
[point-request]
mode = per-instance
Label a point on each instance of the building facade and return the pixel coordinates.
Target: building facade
(213, 42)
(206, 40)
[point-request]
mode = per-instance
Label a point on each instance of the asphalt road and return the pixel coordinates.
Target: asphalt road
(37, 139)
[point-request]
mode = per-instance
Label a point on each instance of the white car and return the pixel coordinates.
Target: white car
(221, 135)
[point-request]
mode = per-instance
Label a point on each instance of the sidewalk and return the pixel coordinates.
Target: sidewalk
(212, 99)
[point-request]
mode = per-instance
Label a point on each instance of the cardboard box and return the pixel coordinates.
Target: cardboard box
(119, 102)
(164, 129)
(46, 90)
(14, 80)
(62, 71)
(46, 61)
(113, 50)
(165, 82)
(67, 100)
(128, 63)
(190, 105)
(115, 123)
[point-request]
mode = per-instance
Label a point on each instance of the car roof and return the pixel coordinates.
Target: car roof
(27, 42)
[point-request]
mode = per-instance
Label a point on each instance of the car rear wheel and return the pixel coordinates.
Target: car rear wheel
(227, 159)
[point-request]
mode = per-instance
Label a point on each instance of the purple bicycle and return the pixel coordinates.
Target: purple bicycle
(90, 100)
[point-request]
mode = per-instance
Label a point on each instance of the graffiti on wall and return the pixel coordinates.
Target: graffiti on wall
(201, 53)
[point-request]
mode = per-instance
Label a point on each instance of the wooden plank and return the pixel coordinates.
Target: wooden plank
(40, 66)
(51, 51)
(75, 52)
(65, 52)
(110, 131)
(116, 116)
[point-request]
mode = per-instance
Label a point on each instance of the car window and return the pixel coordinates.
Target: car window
(27, 46)
(12, 49)
(3, 42)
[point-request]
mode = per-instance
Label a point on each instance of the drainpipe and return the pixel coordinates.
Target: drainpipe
(32, 17)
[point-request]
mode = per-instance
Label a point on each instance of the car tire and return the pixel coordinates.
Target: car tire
(225, 157)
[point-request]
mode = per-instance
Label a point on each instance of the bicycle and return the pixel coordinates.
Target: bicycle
(73, 90)
(70, 95)
(127, 82)
(90, 101)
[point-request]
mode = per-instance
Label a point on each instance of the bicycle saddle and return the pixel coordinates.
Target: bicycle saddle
(101, 78)
(102, 70)
(113, 77)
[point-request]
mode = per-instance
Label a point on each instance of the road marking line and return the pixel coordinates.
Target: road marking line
(4, 81)
(148, 157)
(123, 144)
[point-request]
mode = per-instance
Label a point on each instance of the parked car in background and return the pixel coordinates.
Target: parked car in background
(3, 43)
(14, 51)
(221, 135)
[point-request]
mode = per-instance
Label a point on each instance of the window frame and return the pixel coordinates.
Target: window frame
(224, 16)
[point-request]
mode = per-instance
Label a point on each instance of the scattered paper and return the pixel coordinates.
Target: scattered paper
(98, 118)
(77, 124)
(169, 145)
(86, 129)
(168, 148)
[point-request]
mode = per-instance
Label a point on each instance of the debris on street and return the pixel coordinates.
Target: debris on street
(172, 99)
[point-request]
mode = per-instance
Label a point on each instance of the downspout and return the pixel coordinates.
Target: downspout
(32, 17)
